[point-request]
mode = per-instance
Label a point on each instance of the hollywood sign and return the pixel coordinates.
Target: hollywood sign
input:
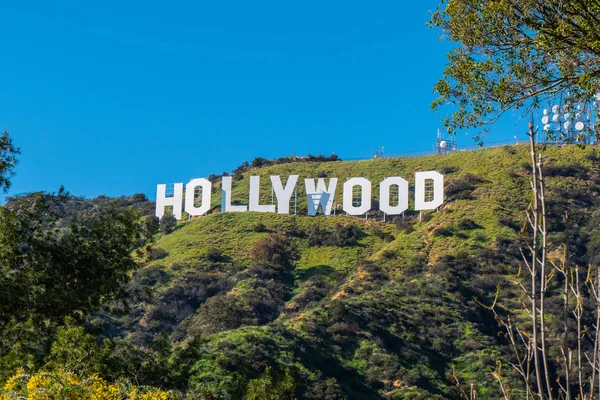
(429, 195)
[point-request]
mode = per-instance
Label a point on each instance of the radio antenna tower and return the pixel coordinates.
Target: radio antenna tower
(378, 153)
(572, 121)
(443, 145)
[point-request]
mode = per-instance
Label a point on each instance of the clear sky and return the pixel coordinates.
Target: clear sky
(115, 97)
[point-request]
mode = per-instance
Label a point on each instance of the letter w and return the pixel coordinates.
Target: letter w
(321, 195)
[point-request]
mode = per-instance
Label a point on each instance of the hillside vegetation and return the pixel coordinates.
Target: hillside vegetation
(364, 309)
(269, 306)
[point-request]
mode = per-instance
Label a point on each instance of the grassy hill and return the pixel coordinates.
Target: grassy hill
(366, 308)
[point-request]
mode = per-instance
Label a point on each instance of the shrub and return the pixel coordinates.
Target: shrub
(275, 249)
(388, 254)
(443, 231)
(462, 187)
(150, 226)
(405, 224)
(213, 178)
(388, 237)
(575, 171)
(526, 166)
(509, 150)
(259, 227)
(213, 254)
(219, 314)
(593, 156)
(75, 350)
(267, 386)
(151, 275)
(167, 223)
(448, 170)
(157, 254)
(139, 198)
(341, 236)
(467, 224)
(328, 389)
(259, 162)
(262, 162)
(509, 222)
(241, 168)
(68, 385)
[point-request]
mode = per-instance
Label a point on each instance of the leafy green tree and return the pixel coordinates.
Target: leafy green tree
(221, 313)
(8, 160)
(49, 273)
(167, 223)
(75, 350)
(50, 270)
(275, 249)
(151, 225)
(266, 387)
(514, 54)
(326, 389)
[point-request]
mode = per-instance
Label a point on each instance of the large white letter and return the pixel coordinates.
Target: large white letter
(163, 201)
(226, 197)
(190, 190)
(365, 196)
(283, 195)
(437, 188)
(384, 195)
(320, 195)
(254, 203)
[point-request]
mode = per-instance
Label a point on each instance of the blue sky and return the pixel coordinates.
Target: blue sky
(115, 97)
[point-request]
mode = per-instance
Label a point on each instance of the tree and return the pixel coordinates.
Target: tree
(49, 272)
(75, 350)
(8, 160)
(51, 269)
(151, 225)
(514, 54)
(264, 388)
(167, 223)
(219, 314)
(275, 249)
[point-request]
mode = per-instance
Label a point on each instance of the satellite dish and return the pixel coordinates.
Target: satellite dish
(546, 111)
(547, 127)
(545, 119)
(556, 109)
(556, 118)
(568, 125)
(443, 144)
(579, 107)
(567, 116)
(580, 126)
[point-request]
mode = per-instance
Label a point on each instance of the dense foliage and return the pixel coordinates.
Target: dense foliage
(515, 54)
(68, 386)
(8, 160)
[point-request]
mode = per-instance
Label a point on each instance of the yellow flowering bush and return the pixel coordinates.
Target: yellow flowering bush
(68, 386)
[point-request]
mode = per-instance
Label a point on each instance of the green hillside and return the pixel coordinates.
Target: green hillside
(365, 308)
(267, 306)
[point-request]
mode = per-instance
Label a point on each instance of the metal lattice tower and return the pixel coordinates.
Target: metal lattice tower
(572, 121)
(444, 146)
